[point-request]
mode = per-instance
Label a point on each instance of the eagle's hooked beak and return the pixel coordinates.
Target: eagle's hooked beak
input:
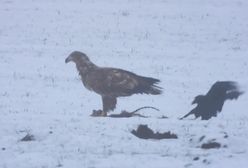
(68, 59)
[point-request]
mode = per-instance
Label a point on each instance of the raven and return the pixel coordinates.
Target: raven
(210, 104)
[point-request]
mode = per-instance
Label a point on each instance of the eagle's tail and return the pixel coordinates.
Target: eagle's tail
(155, 90)
(148, 86)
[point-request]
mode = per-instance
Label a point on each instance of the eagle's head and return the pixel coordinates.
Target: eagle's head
(77, 56)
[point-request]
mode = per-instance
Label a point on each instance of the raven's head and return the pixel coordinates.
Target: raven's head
(77, 56)
(198, 99)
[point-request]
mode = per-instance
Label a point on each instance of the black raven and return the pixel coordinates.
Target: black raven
(210, 104)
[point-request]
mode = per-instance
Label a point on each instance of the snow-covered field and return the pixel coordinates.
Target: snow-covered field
(189, 45)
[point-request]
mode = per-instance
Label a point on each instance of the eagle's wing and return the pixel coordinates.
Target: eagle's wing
(117, 82)
(114, 82)
(121, 82)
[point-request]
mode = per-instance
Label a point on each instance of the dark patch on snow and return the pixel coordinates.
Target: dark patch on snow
(144, 132)
(226, 135)
(196, 158)
(211, 145)
(225, 146)
(188, 165)
(3, 149)
(28, 137)
(163, 117)
(59, 165)
(202, 137)
(206, 161)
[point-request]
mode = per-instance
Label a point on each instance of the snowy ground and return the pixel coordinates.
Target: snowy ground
(189, 45)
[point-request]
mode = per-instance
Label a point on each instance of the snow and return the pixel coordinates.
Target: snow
(189, 45)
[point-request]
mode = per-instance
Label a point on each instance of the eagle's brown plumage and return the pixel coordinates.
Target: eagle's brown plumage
(111, 83)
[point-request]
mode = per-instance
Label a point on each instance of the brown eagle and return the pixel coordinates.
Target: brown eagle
(111, 83)
(210, 104)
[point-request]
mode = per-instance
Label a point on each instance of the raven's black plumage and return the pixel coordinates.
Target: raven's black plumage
(111, 83)
(210, 104)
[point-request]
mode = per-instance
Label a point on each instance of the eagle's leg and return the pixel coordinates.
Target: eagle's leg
(103, 114)
(108, 103)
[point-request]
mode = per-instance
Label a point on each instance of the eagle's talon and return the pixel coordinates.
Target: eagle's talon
(103, 114)
(98, 113)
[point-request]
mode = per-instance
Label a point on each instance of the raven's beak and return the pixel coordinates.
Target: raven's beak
(193, 102)
(68, 59)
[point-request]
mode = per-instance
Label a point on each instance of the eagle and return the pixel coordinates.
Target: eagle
(210, 104)
(111, 83)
